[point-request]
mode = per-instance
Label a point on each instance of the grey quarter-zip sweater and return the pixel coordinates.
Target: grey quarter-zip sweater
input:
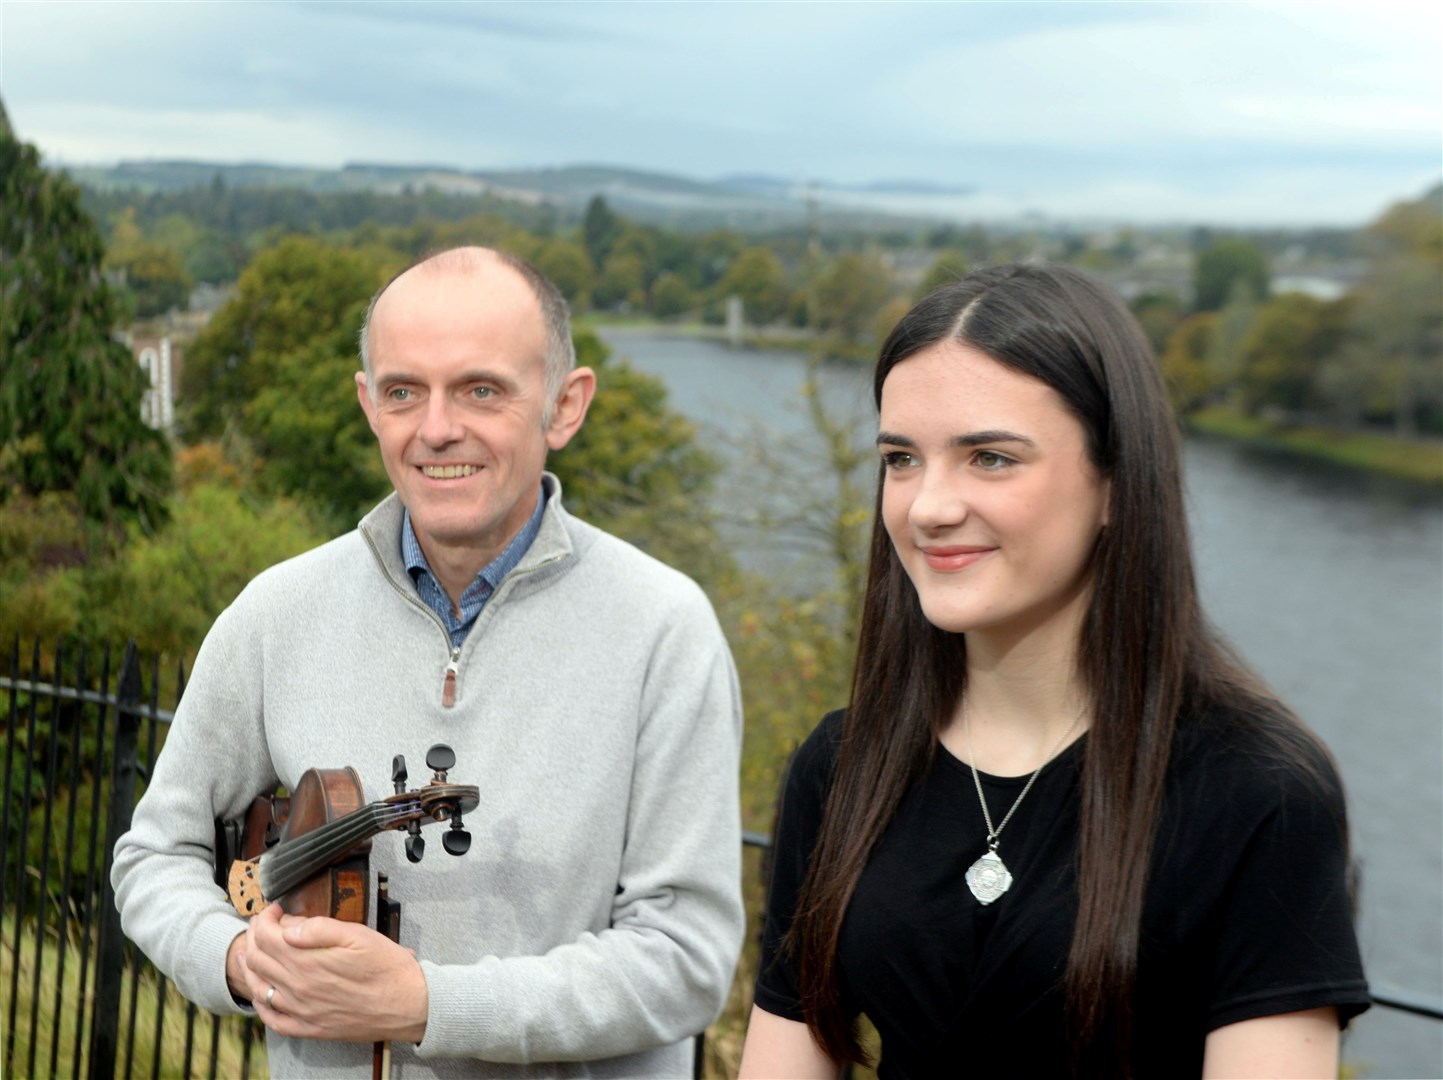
(594, 925)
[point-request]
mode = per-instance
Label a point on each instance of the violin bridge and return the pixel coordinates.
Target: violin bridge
(245, 887)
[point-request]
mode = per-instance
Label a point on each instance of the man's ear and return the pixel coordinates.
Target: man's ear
(571, 406)
(363, 394)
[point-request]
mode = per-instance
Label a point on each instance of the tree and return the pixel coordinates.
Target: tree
(275, 369)
(291, 293)
(850, 294)
(1158, 313)
(756, 275)
(1291, 336)
(1396, 325)
(599, 230)
(670, 297)
(566, 264)
(1225, 265)
(1191, 382)
(948, 267)
(69, 393)
(622, 283)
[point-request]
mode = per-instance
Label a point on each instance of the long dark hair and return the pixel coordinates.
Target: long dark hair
(1146, 652)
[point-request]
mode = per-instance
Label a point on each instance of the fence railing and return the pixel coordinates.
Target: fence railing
(79, 999)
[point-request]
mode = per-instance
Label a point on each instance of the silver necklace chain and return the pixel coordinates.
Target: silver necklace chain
(988, 877)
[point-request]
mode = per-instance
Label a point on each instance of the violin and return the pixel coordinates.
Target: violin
(309, 852)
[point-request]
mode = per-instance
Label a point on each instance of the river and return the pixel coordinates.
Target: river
(1329, 582)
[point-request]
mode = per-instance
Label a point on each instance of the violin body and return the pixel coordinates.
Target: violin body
(341, 890)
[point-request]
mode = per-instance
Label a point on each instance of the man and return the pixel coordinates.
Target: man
(595, 922)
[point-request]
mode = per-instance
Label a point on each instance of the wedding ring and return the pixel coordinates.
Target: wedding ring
(270, 994)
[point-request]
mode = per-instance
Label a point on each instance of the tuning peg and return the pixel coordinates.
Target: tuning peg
(398, 773)
(440, 758)
(415, 842)
(456, 840)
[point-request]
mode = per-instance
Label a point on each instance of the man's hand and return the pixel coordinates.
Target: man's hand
(332, 980)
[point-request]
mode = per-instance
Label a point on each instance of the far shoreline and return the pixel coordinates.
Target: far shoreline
(1417, 461)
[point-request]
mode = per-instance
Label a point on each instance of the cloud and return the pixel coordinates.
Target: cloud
(1037, 100)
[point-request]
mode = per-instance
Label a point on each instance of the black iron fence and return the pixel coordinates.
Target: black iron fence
(78, 999)
(80, 737)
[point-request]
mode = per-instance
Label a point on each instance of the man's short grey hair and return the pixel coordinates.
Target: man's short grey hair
(560, 355)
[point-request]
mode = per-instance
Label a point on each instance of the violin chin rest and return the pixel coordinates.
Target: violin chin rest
(244, 888)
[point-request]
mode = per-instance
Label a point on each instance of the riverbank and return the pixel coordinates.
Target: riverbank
(776, 337)
(1420, 462)
(1417, 462)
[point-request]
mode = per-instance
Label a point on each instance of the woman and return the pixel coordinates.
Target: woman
(1060, 828)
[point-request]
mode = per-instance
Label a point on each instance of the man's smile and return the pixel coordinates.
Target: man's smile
(449, 472)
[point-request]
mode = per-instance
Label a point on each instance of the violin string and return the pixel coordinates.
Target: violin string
(347, 830)
(293, 861)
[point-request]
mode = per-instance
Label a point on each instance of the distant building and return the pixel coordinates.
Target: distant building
(161, 364)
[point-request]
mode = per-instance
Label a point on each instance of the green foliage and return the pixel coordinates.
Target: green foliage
(569, 268)
(168, 588)
(757, 276)
(276, 367)
(153, 273)
(1284, 349)
(948, 267)
(69, 394)
(599, 230)
(312, 436)
(1191, 383)
(622, 283)
(291, 293)
(671, 296)
(1158, 313)
(1223, 267)
(42, 544)
(1391, 364)
(850, 294)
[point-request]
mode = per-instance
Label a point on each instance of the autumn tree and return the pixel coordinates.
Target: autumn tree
(69, 392)
(152, 273)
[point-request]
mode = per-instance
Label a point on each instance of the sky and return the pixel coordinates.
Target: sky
(1226, 113)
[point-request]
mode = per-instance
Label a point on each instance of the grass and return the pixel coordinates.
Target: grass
(1418, 461)
(58, 1025)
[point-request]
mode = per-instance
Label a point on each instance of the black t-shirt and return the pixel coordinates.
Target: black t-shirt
(1247, 913)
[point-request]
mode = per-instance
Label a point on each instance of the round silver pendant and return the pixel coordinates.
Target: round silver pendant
(988, 878)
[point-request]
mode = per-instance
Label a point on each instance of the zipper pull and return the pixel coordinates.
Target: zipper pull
(448, 688)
